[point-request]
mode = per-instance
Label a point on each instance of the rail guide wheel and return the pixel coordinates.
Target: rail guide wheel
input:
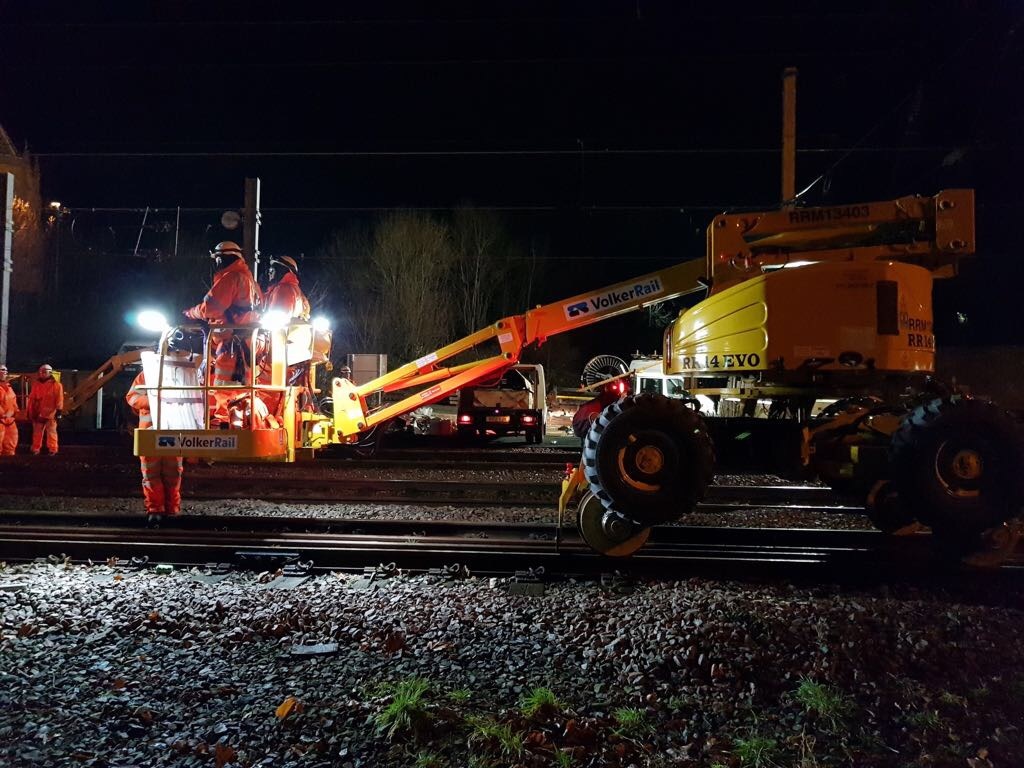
(606, 531)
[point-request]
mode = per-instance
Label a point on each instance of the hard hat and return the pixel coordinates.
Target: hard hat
(46, 367)
(226, 248)
(287, 262)
(3, 368)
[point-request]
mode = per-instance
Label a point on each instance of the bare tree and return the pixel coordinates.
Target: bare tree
(494, 275)
(394, 285)
(29, 236)
(481, 265)
(343, 290)
(411, 266)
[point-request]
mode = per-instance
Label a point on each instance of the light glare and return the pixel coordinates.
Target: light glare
(275, 320)
(152, 320)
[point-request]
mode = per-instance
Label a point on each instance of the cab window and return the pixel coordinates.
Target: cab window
(652, 386)
(675, 388)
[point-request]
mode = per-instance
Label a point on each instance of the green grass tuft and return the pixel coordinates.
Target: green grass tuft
(928, 720)
(633, 723)
(825, 701)
(407, 713)
(427, 760)
(494, 737)
(757, 751)
(539, 701)
(460, 695)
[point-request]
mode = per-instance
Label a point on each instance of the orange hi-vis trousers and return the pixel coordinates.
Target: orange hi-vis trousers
(8, 436)
(161, 477)
(47, 429)
(161, 484)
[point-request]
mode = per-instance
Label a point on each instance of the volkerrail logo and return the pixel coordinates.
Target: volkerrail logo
(590, 306)
(197, 442)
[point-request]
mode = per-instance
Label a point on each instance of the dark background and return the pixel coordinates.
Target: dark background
(609, 133)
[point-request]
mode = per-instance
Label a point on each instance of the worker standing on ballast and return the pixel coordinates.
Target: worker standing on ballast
(233, 299)
(45, 402)
(8, 409)
(161, 475)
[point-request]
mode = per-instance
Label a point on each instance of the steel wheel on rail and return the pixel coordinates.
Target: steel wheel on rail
(606, 531)
(648, 457)
(957, 465)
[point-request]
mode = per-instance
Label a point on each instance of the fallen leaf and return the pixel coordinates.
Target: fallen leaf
(224, 753)
(394, 642)
(535, 740)
(286, 707)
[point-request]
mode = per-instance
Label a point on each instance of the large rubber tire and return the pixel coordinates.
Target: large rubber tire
(957, 466)
(649, 457)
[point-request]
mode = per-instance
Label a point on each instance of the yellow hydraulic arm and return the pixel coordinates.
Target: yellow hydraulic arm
(932, 232)
(433, 381)
(91, 384)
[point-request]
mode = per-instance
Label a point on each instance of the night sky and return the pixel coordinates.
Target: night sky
(610, 131)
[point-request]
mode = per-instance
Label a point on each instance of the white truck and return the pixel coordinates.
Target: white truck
(515, 404)
(648, 376)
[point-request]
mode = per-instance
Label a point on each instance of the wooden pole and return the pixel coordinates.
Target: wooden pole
(788, 134)
(6, 233)
(251, 225)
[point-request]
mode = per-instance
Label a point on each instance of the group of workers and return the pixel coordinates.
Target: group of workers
(234, 298)
(43, 407)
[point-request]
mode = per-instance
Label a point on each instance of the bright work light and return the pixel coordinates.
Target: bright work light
(321, 324)
(151, 320)
(275, 320)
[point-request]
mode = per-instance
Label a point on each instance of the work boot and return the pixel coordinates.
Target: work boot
(153, 519)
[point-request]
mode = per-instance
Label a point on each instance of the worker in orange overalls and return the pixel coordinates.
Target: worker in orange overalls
(283, 291)
(233, 299)
(161, 475)
(284, 295)
(8, 408)
(45, 402)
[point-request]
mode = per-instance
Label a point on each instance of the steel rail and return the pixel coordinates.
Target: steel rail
(272, 486)
(540, 458)
(55, 519)
(671, 551)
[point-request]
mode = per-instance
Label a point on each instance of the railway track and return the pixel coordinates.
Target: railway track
(273, 485)
(387, 458)
(483, 548)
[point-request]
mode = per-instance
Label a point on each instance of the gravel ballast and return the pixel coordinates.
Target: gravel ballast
(756, 518)
(108, 668)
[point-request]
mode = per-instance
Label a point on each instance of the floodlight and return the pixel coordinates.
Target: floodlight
(275, 320)
(152, 320)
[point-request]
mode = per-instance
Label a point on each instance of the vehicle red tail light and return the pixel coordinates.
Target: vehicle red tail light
(465, 418)
(528, 419)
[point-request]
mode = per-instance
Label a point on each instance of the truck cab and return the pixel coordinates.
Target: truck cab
(515, 404)
(648, 375)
